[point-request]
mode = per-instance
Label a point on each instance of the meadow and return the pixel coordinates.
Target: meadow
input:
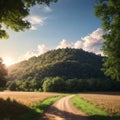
(27, 98)
(99, 106)
(30, 105)
(25, 105)
(110, 102)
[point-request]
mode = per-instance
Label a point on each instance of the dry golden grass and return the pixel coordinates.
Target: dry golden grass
(108, 102)
(27, 98)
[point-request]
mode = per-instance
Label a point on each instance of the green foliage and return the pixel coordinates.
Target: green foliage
(76, 69)
(3, 73)
(55, 84)
(78, 85)
(87, 107)
(13, 13)
(66, 63)
(109, 12)
(58, 84)
(26, 85)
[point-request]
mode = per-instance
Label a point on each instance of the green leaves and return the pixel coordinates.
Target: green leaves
(13, 13)
(3, 34)
(55, 84)
(109, 12)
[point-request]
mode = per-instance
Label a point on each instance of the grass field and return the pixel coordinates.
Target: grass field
(25, 105)
(110, 102)
(86, 107)
(99, 106)
(27, 98)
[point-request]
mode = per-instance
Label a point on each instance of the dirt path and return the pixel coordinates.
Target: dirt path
(64, 110)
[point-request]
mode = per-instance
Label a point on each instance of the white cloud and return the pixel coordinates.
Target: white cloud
(36, 20)
(41, 9)
(26, 56)
(41, 49)
(29, 54)
(91, 43)
(47, 9)
(64, 44)
(33, 28)
(78, 44)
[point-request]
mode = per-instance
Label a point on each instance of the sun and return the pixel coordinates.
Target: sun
(8, 61)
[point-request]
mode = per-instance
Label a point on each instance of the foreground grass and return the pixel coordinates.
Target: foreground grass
(91, 110)
(13, 110)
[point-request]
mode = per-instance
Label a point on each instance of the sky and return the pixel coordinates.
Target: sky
(67, 23)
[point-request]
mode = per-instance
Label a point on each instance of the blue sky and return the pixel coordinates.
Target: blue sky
(67, 23)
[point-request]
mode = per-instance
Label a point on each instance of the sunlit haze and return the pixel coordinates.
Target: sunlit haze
(8, 61)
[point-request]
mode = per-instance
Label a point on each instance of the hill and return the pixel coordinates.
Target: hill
(74, 69)
(66, 63)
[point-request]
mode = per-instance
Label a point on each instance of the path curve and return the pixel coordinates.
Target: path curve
(64, 110)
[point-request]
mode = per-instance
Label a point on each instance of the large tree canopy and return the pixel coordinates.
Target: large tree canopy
(109, 12)
(13, 12)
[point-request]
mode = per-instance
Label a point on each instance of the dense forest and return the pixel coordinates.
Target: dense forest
(67, 63)
(73, 66)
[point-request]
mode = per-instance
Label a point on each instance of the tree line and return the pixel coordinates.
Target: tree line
(58, 84)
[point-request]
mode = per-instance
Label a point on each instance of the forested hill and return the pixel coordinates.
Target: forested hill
(67, 63)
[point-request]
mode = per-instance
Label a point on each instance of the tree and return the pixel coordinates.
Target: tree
(13, 13)
(11, 85)
(53, 84)
(109, 12)
(3, 73)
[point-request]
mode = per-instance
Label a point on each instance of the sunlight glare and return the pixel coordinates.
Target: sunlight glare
(8, 61)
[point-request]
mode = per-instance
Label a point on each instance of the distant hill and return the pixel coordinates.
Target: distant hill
(67, 63)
